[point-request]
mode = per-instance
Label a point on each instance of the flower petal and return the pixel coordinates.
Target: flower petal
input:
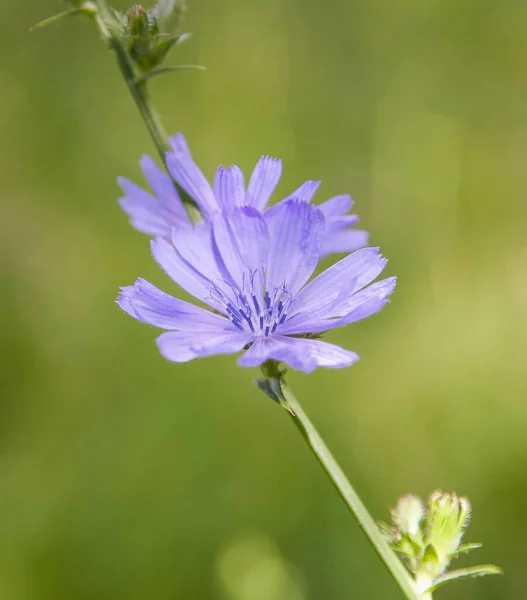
(295, 235)
(340, 222)
(367, 302)
(344, 241)
(146, 303)
(161, 183)
(344, 278)
(182, 346)
(185, 171)
(336, 206)
(229, 187)
(184, 274)
(305, 192)
(143, 210)
(242, 242)
(263, 182)
(358, 306)
(195, 246)
(301, 354)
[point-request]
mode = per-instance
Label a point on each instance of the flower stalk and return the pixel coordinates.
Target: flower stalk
(275, 386)
(136, 83)
(128, 71)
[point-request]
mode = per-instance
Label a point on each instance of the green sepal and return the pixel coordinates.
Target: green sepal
(430, 555)
(470, 572)
(271, 386)
(162, 44)
(268, 387)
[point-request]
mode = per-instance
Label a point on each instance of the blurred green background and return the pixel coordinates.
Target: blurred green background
(125, 476)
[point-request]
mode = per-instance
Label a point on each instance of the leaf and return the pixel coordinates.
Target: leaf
(464, 548)
(478, 571)
(56, 18)
(155, 72)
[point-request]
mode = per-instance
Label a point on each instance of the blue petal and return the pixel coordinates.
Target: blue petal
(146, 303)
(339, 238)
(322, 295)
(263, 182)
(191, 280)
(182, 346)
(345, 241)
(295, 234)
(300, 354)
(367, 302)
(242, 242)
(165, 190)
(185, 171)
(336, 206)
(229, 187)
(358, 306)
(305, 192)
(143, 210)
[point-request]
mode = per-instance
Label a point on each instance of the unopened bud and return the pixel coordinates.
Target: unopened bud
(141, 23)
(448, 517)
(408, 514)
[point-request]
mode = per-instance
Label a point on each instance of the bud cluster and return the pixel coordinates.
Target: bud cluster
(150, 34)
(428, 538)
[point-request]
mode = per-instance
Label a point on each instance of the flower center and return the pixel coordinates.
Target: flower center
(252, 307)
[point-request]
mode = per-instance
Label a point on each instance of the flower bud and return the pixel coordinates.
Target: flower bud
(141, 23)
(448, 517)
(427, 540)
(150, 34)
(408, 514)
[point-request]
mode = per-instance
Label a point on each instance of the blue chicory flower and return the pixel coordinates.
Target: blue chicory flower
(157, 215)
(251, 270)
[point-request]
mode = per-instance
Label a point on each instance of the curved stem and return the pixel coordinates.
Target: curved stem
(275, 386)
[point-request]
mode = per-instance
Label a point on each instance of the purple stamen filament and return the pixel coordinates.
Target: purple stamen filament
(242, 306)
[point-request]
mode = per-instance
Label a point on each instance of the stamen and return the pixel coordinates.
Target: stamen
(243, 306)
(247, 318)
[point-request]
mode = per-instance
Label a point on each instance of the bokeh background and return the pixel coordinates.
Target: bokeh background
(125, 476)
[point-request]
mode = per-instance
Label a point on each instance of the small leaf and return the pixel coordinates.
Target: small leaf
(464, 548)
(71, 12)
(151, 74)
(182, 38)
(479, 571)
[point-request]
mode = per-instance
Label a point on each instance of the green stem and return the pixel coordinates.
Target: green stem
(138, 90)
(128, 70)
(277, 387)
